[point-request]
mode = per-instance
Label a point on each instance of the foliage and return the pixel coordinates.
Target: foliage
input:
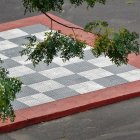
(116, 45)
(54, 5)
(8, 89)
(54, 43)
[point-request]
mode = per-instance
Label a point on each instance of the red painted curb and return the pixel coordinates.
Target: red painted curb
(41, 19)
(75, 104)
(71, 105)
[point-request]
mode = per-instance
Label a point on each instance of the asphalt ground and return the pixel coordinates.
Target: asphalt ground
(120, 121)
(117, 12)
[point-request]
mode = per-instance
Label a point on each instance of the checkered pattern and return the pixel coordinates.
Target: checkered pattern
(59, 80)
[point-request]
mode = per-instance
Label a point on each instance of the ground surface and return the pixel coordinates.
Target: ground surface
(119, 121)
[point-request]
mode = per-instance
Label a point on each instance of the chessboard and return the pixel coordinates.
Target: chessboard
(59, 80)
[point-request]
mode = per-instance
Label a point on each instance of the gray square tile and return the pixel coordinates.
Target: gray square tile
(61, 93)
(18, 105)
(26, 91)
(110, 81)
(80, 67)
(120, 69)
(34, 28)
(20, 40)
(42, 66)
(33, 78)
(88, 55)
(1, 39)
(8, 63)
(71, 80)
(13, 52)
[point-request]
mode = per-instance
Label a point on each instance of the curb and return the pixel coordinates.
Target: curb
(71, 105)
(75, 104)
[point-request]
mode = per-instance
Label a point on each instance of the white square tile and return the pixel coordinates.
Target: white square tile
(46, 86)
(101, 61)
(86, 87)
(56, 72)
(41, 35)
(22, 60)
(7, 45)
(28, 100)
(95, 74)
(14, 33)
(19, 71)
(131, 76)
(3, 57)
(42, 98)
(59, 61)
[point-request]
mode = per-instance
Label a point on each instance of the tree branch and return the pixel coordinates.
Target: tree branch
(72, 27)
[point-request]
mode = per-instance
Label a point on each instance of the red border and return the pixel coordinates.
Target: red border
(75, 104)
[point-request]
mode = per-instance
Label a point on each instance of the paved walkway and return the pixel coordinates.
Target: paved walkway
(46, 84)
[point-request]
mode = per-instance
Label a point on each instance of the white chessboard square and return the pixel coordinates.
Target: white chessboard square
(4, 45)
(56, 72)
(14, 33)
(46, 86)
(95, 74)
(86, 87)
(3, 57)
(19, 71)
(60, 62)
(131, 76)
(41, 35)
(29, 101)
(22, 60)
(42, 98)
(101, 61)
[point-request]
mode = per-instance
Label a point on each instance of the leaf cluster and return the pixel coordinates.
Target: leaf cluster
(8, 89)
(53, 45)
(54, 5)
(117, 45)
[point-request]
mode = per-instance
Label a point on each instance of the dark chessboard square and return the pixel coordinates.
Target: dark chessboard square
(61, 93)
(20, 40)
(18, 105)
(1, 39)
(26, 91)
(110, 81)
(34, 28)
(71, 79)
(120, 69)
(80, 67)
(9, 63)
(33, 78)
(42, 66)
(13, 52)
(88, 55)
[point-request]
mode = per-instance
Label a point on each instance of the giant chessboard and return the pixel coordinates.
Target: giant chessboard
(59, 80)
